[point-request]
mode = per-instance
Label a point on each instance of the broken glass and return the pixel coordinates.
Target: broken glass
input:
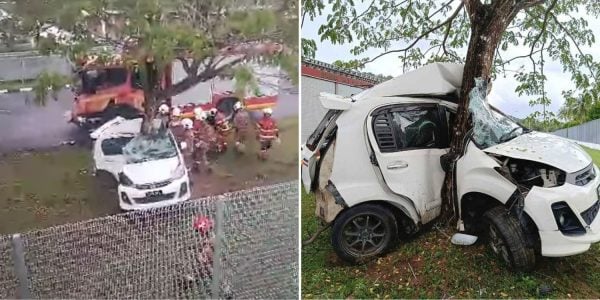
(490, 127)
(150, 147)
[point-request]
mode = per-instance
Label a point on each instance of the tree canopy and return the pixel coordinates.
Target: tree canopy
(419, 32)
(208, 37)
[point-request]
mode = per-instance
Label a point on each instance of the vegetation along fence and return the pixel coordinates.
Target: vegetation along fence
(587, 132)
(250, 252)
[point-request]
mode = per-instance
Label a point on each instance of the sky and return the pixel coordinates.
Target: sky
(503, 93)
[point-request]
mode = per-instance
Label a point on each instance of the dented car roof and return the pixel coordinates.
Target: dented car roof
(436, 79)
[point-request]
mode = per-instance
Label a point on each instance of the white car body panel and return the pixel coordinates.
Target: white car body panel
(333, 101)
(545, 148)
(139, 173)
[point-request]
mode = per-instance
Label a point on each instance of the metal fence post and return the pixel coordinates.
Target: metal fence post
(217, 276)
(20, 267)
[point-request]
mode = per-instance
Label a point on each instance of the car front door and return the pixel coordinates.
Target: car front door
(407, 141)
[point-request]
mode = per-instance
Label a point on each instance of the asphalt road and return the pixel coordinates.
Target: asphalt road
(25, 126)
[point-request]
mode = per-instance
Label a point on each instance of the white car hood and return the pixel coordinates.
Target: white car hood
(545, 148)
(151, 171)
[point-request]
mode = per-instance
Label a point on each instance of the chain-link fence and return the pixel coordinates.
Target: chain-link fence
(238, 245)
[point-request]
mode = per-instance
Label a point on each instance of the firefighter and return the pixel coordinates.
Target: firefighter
(223, 127)
(175, 117)
(205, 137)
(241, 123)
(187, 144)
(163, 115)
(267, 133)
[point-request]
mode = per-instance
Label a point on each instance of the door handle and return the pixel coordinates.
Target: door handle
(397, 165)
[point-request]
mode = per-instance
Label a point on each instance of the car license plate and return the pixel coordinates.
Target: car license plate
(154, 193)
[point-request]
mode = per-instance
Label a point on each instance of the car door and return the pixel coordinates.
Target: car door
(407, 141)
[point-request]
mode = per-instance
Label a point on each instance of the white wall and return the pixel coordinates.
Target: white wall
(312, 111)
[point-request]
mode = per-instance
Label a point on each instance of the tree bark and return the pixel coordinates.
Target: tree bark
(488, 23)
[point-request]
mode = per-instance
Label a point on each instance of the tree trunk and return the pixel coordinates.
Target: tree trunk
(149, 112)
(488, 23)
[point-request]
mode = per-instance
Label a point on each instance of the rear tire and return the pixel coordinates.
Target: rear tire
(364, 232)
(506, 239)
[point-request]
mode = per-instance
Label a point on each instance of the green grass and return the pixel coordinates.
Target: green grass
(429, 266)
(595, 154)
(48, 188)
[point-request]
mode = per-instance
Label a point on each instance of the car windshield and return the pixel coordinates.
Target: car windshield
(150, 147)
(490, 126)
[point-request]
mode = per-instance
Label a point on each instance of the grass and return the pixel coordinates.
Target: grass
(429, 266)
(42, 189)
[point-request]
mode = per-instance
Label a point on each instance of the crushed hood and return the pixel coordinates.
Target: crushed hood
(434, 79)
(545, 148)
(151, 171)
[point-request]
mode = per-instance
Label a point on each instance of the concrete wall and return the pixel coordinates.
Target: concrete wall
(312, 111)
(18, 67)
(587, 132)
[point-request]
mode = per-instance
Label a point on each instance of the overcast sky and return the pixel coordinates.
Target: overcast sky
(503, 93)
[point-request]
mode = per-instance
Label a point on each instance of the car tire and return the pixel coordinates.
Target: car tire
(506, 238)
(361, 226)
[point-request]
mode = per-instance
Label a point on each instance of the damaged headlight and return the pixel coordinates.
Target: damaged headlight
(124, 180)
(566, 220)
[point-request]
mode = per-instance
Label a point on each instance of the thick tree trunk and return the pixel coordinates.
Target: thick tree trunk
(488, 23)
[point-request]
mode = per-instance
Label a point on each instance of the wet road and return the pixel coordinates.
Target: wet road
(26, 126)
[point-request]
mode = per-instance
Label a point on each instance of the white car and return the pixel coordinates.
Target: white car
(149, 169)
(376, 166)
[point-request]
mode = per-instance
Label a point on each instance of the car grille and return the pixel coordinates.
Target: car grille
(152, 199)
(589, 214)
(155, 185)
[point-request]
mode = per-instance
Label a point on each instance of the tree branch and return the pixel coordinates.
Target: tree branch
(544, 23)
(456, 12)
(574, 42)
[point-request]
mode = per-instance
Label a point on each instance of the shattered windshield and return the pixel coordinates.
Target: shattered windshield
(150, 147)
(490, 127)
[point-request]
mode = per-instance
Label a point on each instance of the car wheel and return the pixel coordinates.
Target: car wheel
(363, 232)
(506, 239)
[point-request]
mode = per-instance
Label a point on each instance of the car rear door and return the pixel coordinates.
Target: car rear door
(407, 141)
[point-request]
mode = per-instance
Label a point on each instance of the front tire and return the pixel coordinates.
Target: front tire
(364, 232)
(506, 238)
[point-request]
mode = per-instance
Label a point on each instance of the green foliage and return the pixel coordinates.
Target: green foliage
(309, 48)
(48, 84)
(244, 79)
(165, 30)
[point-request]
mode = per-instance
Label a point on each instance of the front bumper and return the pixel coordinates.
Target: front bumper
(132, 198)
(579, 198)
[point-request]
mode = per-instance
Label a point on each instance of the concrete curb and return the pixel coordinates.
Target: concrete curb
(23, 89)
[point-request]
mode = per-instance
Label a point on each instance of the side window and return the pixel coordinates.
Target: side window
(408, 127)
(114, 146)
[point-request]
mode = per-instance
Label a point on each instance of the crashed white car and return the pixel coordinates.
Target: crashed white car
(149, 169)
(376, 166)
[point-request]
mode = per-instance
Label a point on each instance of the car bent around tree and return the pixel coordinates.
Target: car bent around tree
(377, 162)
(149, 169)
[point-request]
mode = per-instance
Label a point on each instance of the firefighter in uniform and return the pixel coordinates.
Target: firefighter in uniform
(187, 143)
(223, 127)
(205, 137)
(267, 133)
(241, 124)
(164, 115)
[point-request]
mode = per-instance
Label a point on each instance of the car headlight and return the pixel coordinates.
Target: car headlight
(566, 220)
(178, 172)
(124, 180)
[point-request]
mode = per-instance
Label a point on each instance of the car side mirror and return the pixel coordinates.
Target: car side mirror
(183, 145)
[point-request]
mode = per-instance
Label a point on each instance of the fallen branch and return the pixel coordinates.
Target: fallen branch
(315, 235)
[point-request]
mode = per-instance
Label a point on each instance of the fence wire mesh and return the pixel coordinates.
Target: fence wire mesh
(8, 279)
(159, 253)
